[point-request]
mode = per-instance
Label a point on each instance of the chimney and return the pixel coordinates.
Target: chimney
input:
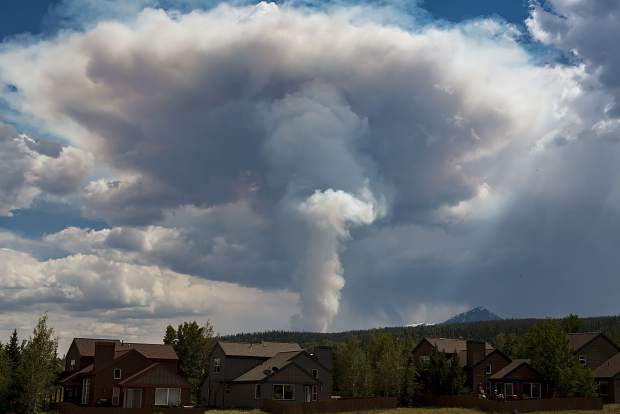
(104, 353)
(325, 356)
(476, 350)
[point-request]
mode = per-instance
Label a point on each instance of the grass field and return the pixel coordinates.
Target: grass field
(609, 409)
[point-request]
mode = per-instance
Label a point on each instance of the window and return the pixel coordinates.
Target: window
(532, 390)
(117, 373)
(283, 392)
(603, 389)
(116, 395)
(509, 389)
(227, 388)
(85, 390)
(168, 397)
(425, 358)
(257, 394)
(315, 373)
(489, 369)
(133, 398)
(583, 360)
(217, 364)
(315, 393)
(72, 363)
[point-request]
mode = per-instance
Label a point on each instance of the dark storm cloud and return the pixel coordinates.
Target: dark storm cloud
(272, 147)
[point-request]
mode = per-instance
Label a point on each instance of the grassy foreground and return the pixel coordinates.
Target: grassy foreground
(609, 409)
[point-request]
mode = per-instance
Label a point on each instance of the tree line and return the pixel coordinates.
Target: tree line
(381, 364)
(28, 370)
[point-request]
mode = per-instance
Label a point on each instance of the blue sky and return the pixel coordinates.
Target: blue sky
(287, 166)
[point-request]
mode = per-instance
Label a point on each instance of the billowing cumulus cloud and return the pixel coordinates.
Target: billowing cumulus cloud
(381, 174)
(29, 168)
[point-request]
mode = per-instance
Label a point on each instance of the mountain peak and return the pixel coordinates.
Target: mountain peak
(477, 314)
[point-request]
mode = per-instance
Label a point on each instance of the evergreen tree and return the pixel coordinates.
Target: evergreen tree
(6, 375)
(13, 349)
(192, 344)
(170, 337)
(38, 367)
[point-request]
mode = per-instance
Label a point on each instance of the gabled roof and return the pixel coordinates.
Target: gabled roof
(267, 368)
(259, 350)
(579, 340)
(86, 346)
(609, 368)
(495, 351)
(86, 370)
(153, 370)
(151, 351)
(508, 369)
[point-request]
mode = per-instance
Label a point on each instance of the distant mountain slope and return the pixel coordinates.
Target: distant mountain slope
(483, 331)
(478, 314)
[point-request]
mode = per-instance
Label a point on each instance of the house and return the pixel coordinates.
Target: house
(121, 374)
(592, 349)
(241, 375)
(607, 375)
(598, 352)
(477, 358)
(517, 380)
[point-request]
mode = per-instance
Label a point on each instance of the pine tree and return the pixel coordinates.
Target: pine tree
(13, 349)
(6, 375)
(38, 367)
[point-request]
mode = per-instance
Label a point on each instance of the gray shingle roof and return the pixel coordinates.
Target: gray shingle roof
(86, 347)
(265, 369)
(259, 350)
(579, 340)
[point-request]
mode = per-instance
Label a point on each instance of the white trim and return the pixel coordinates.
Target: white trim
(489, 369)
(120, 373)
(217, 365)
(512, 389)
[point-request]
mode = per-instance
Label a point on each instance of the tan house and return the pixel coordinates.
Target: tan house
(242, 375)
(103, 372)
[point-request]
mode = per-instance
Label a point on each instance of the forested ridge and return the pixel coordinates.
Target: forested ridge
(484, 331)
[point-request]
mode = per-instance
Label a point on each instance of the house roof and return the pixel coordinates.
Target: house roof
(153, 369)
(151, 351)
(609, 368)
(86, 347)
(579, 340)
(259, 350)
(267, 368)
(451, 346)
(495, 351)
(508, 369)
(86, 370)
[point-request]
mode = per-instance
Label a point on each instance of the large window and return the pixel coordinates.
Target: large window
(133, 398)
(85, 390)
(509, 389)
(283, 392)
(168, 397)
(116, 395)
(532, 390)
(217, 365)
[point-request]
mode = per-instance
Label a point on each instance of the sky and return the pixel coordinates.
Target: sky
(305, 165)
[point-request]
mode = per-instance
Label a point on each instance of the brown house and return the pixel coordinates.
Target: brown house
(598, 352)
(114, 373)
(517, 380)
(471, 355)
(242, 375)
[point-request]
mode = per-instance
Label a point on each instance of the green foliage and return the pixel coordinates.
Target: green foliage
(38, 367)
(508, 343)
(570, 323)
(440, 376)
(192, 344)
(353, 374)
(6, 376)
(577, 381)
(548, 348)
